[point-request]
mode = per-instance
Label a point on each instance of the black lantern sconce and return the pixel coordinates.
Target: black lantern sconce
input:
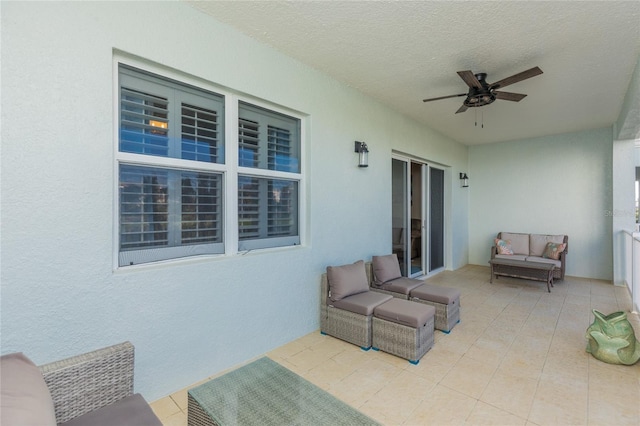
(465, 180)
(363, 154)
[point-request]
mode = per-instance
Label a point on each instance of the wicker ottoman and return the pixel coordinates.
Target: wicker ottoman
(403, 328)
(446, 300)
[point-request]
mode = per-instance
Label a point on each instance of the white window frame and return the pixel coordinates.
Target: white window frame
(229, 167)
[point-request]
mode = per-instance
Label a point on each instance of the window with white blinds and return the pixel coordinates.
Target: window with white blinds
(177, 194)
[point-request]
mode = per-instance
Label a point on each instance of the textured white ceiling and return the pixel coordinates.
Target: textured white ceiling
(404, 51)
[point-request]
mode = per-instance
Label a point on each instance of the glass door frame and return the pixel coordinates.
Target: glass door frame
(425, 214)
(429, 224)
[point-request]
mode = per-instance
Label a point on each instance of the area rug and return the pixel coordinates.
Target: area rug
(265, 393)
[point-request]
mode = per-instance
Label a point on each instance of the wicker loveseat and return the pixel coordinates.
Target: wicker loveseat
(537, 248)
(94, 388)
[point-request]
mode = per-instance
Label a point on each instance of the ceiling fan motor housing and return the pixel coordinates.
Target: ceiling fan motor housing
(481, 96)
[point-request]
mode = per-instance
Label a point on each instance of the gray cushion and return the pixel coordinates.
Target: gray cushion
(401, 285)
(347, 280)
(24, 396)
(405, 312)
(132, 410)
(512, 256)
(362, 303)
(538, 242)
(519, 242)
(385, 269)
(544, 260)
(437, 294)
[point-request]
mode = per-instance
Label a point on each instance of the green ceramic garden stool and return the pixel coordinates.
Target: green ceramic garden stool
(611, 339)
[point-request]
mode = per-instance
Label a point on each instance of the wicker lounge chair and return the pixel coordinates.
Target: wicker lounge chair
(95, 388)
(347, 313)
(386, 278)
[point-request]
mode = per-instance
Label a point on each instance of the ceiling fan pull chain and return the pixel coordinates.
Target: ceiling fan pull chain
(482, 117)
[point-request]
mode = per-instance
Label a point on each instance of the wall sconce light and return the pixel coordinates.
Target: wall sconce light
(465, 180)
(363, 154)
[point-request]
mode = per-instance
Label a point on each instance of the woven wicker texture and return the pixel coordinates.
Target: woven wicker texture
(86, 382)
(265, 393)
(345, 325)
(406, 342)
(447, 316)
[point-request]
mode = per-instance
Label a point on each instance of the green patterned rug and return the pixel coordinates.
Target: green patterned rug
(265, 393)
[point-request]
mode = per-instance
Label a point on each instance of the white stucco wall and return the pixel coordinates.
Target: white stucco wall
(60, 295)
(551, 185)
(628, 123)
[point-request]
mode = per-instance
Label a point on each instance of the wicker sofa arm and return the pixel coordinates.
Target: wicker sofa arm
(86, 382)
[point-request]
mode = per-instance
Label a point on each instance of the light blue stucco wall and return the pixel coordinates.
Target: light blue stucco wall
(60, 295)
(551, 185)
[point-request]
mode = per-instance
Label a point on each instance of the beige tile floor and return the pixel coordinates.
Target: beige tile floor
(516, 358)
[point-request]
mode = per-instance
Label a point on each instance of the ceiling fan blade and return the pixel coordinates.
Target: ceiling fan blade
(463, 108)
(444, 97)
(508, 96)
(470, 79)
(516, 78)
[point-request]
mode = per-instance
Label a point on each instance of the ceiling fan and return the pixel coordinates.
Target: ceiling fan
(482, 93)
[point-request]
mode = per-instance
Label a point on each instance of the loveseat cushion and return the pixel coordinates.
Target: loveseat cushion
(347, 280)
(401, 285)
(538, 242)
(512, 256)
(519, 242)
(24, 396)
(132, 410)
(540, 259)
(385, 269)
(362, 303)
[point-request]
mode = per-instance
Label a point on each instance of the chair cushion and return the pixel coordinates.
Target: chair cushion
(553, 250)
(405, 312)
(519, 242)
(437, 294)
(24, 396)
(538, 242)
(347, 280)
(132, 410)
(401, 285)
(362, 303)
(385, 269)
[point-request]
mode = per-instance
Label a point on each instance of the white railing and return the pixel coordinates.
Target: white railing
(631, 258)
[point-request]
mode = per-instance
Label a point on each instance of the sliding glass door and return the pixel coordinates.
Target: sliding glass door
(436, 219)
(400, 213)
(417, 216)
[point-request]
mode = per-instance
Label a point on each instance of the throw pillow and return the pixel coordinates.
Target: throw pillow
(385, 269)
(347, 280)
(504, 247)
(24, 398)
(553, 250)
